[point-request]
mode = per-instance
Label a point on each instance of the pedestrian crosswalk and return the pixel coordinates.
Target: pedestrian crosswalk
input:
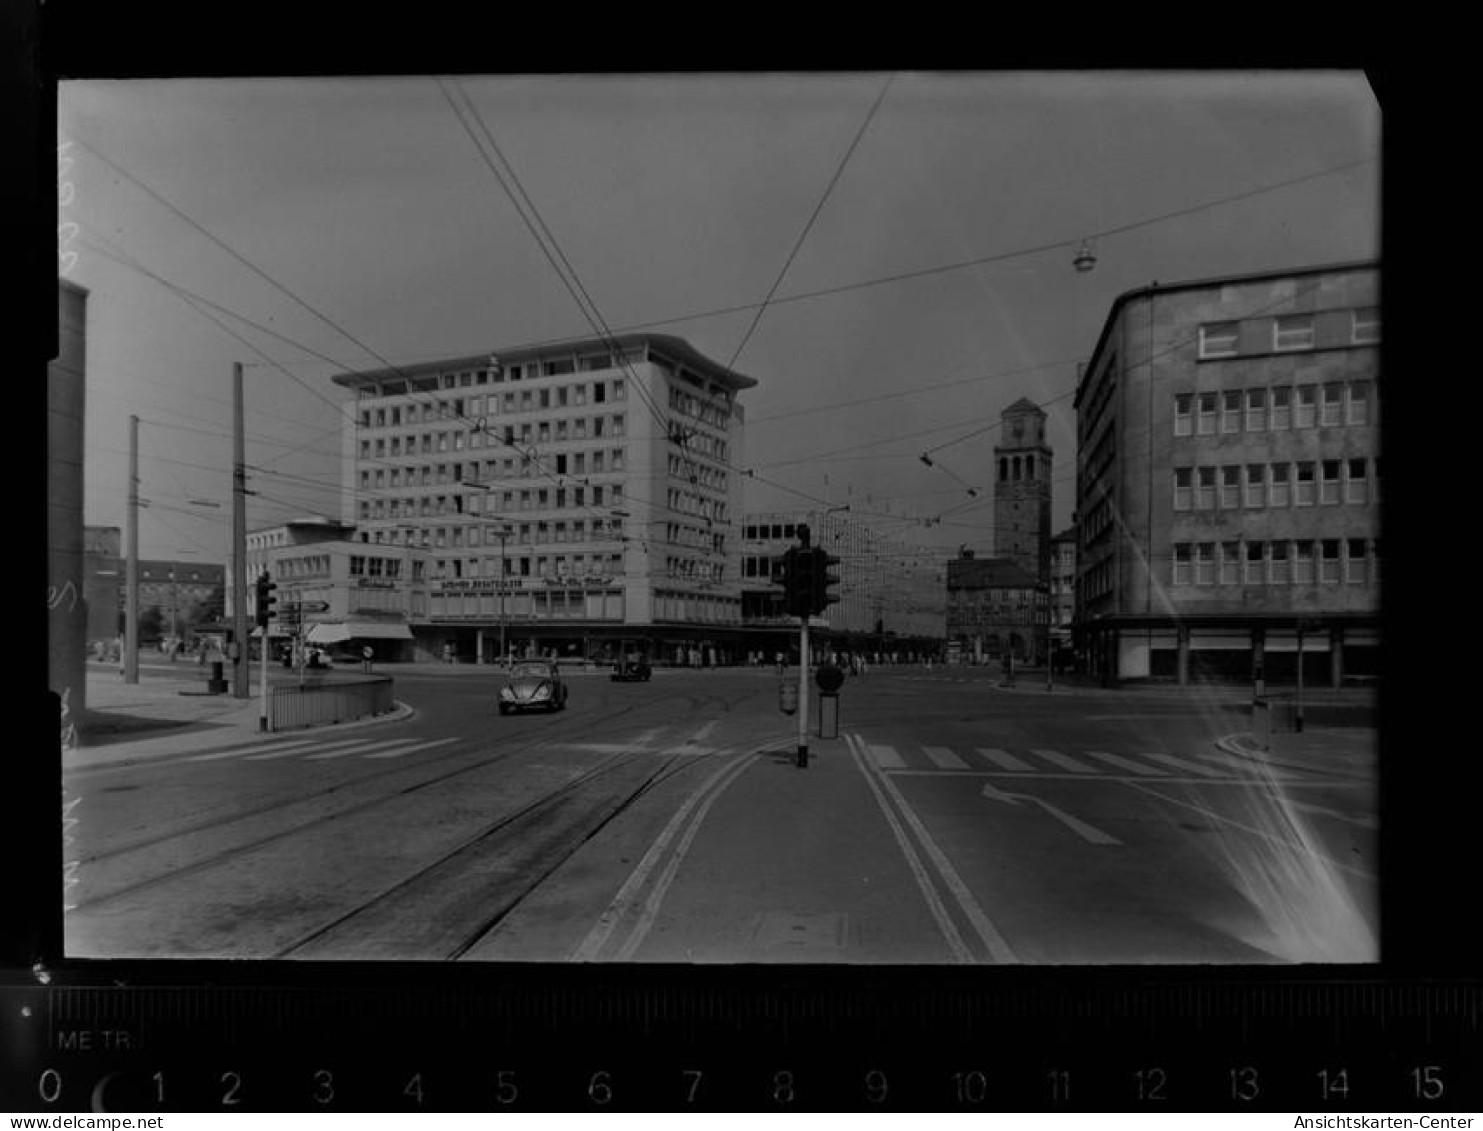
(323, 750)
(1042, 762)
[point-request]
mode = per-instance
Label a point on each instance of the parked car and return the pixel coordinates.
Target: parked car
(533, 685)
(631, 670)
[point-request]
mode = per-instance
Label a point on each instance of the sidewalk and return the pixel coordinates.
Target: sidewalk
(169, 711)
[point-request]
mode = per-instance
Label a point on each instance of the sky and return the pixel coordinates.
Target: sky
(889, 256)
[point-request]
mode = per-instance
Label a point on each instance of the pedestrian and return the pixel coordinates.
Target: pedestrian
(365, 655)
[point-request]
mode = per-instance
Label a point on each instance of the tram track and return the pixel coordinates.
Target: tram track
(287, 806)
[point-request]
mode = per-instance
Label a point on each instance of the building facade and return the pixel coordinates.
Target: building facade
(1063, 586)
(1228, 480)
(583, 490)
(996, 609)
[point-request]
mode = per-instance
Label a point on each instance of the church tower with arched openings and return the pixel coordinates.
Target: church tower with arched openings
(1022, 470)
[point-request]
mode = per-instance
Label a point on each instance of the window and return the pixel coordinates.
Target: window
(1366, 327)
(1218, 339)
(1207, 414)
(1329, 489)
(1182, 563)
(1302, 569)
(1256, 410)
(1359, 403)
(1230, 563)
(1328, 568)
(1256, 560)
(1184, 422)
(1184, 478)
(1304, 496)
(1293, 332)
(1354, 562)
(1230, 487)
(1307, 410)
(1279, 494)
(1256, 485)
(1280, 565)
(1357, 484)
(1205, 493)
(1333, 405)
(1205, 563)
(1281, 409)
(1230, 411)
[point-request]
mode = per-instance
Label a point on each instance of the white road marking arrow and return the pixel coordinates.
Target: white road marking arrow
(1079, 827)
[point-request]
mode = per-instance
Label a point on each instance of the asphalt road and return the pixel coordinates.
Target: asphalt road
(951, 821)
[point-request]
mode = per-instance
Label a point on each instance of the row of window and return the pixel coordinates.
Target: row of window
(1289, 333)
(1354, 561)
(1275, 409)
(372, 566)
(471, 408)
(545, 432)
(1301, 484)
(558, 498)
(511, 467)
(541, 565)
(706, 411)
(541, 604)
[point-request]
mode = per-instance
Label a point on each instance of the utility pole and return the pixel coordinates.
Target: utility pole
(240, 689)
(131, 569)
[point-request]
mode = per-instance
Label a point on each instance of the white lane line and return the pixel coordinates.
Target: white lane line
(627, 895)
(1214, 816)
(950, 933)
(1125, 763)
(298, 748)
(943, 758)
(1056, 758)
(700, 735)
(1005, 759)
(358, 748)
(998, 948)
(887, 758)
(1186, 765)
(415, 749)
(240, 752)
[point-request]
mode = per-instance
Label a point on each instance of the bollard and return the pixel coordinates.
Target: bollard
(828, 714)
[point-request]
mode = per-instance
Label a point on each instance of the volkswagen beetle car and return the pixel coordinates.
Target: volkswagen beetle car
(532, 685)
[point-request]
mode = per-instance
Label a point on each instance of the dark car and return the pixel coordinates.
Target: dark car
(631, 671)
(532, 685)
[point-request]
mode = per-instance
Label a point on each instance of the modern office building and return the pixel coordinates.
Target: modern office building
(1228, 479)
(580, 494)
(890, 591)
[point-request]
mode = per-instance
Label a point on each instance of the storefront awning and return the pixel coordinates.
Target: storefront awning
(325, 633)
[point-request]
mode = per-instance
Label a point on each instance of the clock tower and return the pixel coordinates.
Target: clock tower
(1022, 469)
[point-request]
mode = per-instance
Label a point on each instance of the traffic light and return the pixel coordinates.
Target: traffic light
(822, 580)
(265, 599)
(799, 564)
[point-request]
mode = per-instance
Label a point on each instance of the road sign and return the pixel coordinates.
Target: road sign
(306, 607)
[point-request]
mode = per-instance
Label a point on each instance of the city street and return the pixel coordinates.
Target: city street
(952, 820)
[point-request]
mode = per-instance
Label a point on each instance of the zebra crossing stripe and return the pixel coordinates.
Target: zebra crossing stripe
(1186, 765)
(1125, 763)
(237, 752)
(887, 758)
(295, 748)
(944, 759)
(358, 748)
(1056, 758)
(1005, 759)
(416, 747)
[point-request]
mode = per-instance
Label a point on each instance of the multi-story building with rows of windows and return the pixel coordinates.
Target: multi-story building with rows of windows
(1228, 480)
(890, 592)
(570, 496)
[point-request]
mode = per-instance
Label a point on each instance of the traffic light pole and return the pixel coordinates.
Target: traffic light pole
(803, 692)
(262, 682)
